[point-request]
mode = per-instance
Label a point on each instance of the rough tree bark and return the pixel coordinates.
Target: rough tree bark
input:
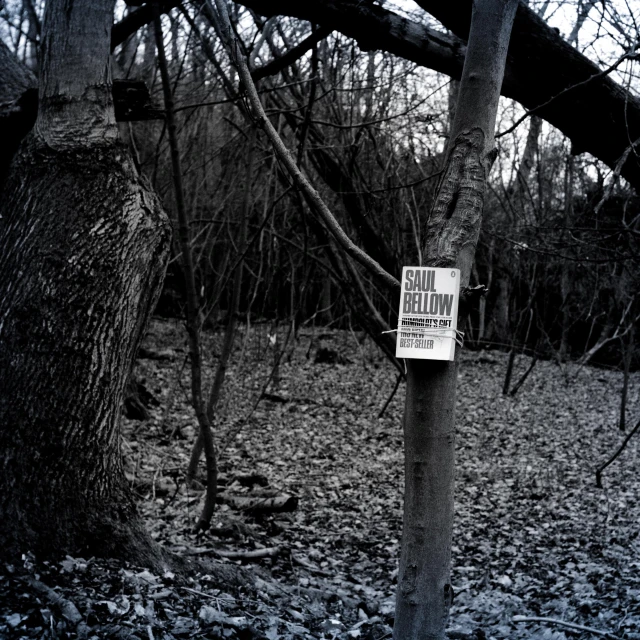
(19, 104)
(424, 592)
(83, 249)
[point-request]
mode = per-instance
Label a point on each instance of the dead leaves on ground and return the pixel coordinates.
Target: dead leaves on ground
(533, 535)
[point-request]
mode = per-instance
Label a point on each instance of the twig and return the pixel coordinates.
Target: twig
(569, 625)
(614, 456)
(391, 396)
(255, 554)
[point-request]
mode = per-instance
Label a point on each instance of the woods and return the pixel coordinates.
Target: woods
(303, 154)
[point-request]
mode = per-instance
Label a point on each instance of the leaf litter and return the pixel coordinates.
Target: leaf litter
(533, 535)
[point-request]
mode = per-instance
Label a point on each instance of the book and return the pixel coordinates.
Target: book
(428, 316)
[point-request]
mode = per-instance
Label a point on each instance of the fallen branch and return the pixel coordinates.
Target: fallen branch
(569, 625)
(254, 554)
(68, 610)
(262, 504)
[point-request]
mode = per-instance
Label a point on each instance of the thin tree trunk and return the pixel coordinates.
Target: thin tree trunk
(501, 311)
(424, 592)
(584, 6)
(518, 194)
(325, 302)
(33, 32)
(627, 358)
(194, 322)
(520, 189)
(523, 378)
(229, 336)
(509, 373)
(83, 248)
(566, 276)
(149, 55)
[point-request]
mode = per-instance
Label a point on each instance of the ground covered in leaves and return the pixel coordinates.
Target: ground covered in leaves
(534, 536)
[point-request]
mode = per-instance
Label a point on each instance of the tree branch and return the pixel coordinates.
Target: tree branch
(600, 117)
(311, 195)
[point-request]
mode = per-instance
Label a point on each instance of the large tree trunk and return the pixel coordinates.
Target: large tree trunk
(424, 592)
(83, 248)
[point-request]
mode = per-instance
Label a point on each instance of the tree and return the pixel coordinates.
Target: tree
(83, 249)
(544, 73)
(424, 592)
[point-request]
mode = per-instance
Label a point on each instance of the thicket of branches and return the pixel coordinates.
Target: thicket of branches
(559, 247)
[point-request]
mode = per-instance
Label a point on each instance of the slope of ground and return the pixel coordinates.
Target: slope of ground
(533, 537)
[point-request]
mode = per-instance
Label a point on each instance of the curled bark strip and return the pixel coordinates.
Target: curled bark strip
(454, 223)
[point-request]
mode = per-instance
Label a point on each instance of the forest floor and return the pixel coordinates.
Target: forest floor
(533, 536)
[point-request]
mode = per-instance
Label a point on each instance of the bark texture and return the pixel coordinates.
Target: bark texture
(19, 103)
(83, 248)
(79, 274)
(76, 107)
(424, 593)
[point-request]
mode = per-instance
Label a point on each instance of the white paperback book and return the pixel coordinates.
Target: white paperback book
(428, 317)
